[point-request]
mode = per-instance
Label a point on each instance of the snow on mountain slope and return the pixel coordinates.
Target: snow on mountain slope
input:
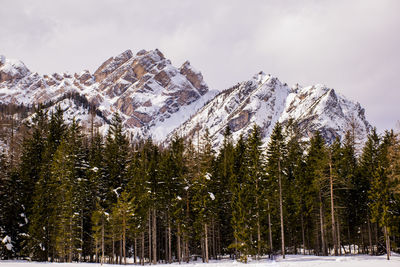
(264, 100)
(320, 108)
(260, 101)
(151, 95)
(156, 99)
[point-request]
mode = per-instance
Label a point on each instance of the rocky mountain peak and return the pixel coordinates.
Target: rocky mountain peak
(320, 108)
(156, 99)
(2, 60)
(259, 100)
(195, 77)
(111, 65)
(12, 70)
(265, 100)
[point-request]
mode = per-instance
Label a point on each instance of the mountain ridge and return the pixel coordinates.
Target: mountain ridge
(156, 99)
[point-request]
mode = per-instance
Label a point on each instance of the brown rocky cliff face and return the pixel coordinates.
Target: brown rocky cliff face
(195, 78)
(111, 64)
(240, 121)
(137, 80)
(146, 89)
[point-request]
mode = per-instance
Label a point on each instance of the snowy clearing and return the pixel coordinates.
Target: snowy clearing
(291, 260)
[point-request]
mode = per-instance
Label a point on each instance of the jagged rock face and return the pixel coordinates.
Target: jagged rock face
(320, 108)
(194, 77)
(264, 100)
(11, 70)
(258, 101)
(146, 89)
(156, 99)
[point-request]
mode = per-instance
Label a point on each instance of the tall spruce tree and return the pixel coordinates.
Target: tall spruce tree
(240, 203)
(368, 167)
(223, 177)
(317, 162)
(203, 197)
(255, 170)
(380, 194)
(116, 158)
(276, 154)
(295, 198)
(42, 221)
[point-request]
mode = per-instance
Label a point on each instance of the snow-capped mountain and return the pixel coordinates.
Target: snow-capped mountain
(320, 108)
(264, 100)
(152, 96)
(156, 99)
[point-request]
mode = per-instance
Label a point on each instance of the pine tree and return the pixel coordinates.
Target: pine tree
(12, 218)
(368, 167)
(99, 222)
(203, 197)
(240, 203)
(97, 195)
(295, 198)
(123, 212)
(223, 178)
(255, 173)
(26, 174)
(317, 162)
(64, 217)
(276, 153)
(41, 228)
(116, 158)
(380, 194)
(68, 172)
(173, 168)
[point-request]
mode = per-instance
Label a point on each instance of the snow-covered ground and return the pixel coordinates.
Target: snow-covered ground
(291, 260)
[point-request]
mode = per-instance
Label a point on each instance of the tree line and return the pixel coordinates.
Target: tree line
(73, 195)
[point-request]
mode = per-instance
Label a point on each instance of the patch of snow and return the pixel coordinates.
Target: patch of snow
(289, 261)
(211, 195)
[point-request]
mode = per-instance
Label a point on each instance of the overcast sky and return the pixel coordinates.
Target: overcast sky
(351, 46)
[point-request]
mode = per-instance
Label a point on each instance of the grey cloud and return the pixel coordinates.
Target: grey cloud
(351, 46)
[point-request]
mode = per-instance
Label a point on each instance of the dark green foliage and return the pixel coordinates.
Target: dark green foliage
(73, 196)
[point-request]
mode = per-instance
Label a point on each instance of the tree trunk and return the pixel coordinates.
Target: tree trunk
(317, 241)
(376, 238)
(142, 250)
(348, 235)
(338, 235)
(206, 242)
(258, 236)
(135, 250)
(166, 244)
(154, 236)
(387, 239)
(96, 250)
(302, 234)
(120, 249)
(81, 252)
(371, 249)
(219, 240)
(124, 240)
(213, 239)
(70, 241)
(102, 241)
(169, 242)
(178, 243)
(281, 208)
(113, 245)
(321, 216)
(333, 211)
(270, 231)
(150, 236)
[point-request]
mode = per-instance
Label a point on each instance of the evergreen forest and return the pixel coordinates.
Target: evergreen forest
(69, 194)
